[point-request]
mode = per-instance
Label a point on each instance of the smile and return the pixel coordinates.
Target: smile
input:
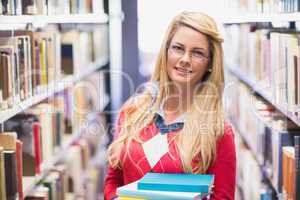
(183, 70)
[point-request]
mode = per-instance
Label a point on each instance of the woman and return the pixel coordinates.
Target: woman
(186, 111)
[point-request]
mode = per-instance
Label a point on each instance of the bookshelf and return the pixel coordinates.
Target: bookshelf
(265, 95)
(60, 52)
(31, 182)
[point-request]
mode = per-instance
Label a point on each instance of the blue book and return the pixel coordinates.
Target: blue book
(131, 190)
(201, 183)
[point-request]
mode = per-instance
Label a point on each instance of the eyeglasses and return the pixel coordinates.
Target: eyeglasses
(196, 55)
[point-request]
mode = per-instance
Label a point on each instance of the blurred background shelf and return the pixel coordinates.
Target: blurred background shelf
(261, 17)
(255, 87)
(50, 90)
(54, 19)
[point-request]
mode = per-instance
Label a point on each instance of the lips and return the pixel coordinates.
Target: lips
(183, 70)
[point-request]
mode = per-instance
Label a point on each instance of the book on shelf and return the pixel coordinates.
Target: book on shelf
(36, 128)
(10, 174)
(19, 162)
(10, 7)
(290, 170)
(10, 69)
(8, 142)
(75, 55)
(44, 112)
(249, 174)
(297, 167)
(279, 140)
(100, 46)
(256, 7)
(2, 175)
(49, 7)
(74, 163)
(26, 127)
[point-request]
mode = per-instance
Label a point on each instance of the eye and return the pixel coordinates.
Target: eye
(198, 54)
(177, 48)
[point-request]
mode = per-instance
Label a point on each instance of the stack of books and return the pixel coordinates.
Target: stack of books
(168, 186)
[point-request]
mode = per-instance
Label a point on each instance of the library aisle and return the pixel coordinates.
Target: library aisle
(61, 87)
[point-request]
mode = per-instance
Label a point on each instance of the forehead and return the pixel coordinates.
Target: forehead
(190, 38)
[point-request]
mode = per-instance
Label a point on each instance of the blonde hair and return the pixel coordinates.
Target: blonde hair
(204, 124)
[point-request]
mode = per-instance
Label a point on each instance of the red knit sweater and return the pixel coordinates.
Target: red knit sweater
(135, 164)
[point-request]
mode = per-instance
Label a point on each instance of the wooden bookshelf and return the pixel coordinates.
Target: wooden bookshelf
(242, 77)
(260, 17)
(50, 90)
(59, 154)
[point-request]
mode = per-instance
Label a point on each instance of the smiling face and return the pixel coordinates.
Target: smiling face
(187, 57)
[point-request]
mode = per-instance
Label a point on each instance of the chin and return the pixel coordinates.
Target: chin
(180, 81)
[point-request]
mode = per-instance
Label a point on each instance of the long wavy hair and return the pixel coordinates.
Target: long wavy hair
(205, 118)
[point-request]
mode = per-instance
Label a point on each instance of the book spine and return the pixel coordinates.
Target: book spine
(19, 147)
(10, 175)
(297, 167)
(2, 175)
(37, 147)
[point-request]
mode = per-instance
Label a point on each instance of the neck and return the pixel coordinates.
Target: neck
(181, 98)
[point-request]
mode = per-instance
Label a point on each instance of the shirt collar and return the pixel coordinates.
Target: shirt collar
(179, 119)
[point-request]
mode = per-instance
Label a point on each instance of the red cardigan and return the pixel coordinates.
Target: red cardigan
(135, 164)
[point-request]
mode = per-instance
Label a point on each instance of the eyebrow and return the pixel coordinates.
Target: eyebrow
(196, 48)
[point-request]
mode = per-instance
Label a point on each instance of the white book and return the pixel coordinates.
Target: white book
(1, 99)
(98, 6)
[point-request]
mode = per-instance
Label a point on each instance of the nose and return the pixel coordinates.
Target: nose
(185, 59)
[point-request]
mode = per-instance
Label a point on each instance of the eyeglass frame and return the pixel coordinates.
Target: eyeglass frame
(181, 53)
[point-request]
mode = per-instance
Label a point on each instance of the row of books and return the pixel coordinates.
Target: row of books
(31, 60)
(43, 132)
(87, 98)
(270, 59)
(268, 131)
(264, 6)
(249, 177)
(72, 177)
(37, 142)
(50, 7)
